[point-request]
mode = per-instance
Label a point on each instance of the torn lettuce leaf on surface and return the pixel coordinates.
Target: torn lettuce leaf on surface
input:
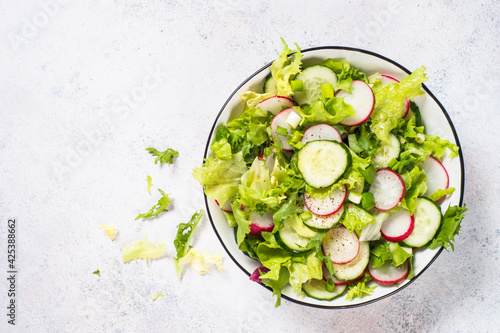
(144, 250)
(166, 156)
(160, 207)
(110, 230)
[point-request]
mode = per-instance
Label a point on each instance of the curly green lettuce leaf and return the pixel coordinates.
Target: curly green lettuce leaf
(360, 288)
(345, 73)
(449, 228)
(251, 98)
(390, 99)
(220, 178)
(160, 207)
(415, 187)
(304, 270)
(97, 272)
(284, 68)
(183, 238)
(256, 191)
(441, 193)
(144, 250)
(389, 251)
(166, 156)
(356, 218)
(243, 134)
(331, 112)
(278, 283)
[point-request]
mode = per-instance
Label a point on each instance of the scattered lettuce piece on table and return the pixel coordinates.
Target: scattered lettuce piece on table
(150, 183)
(160, 294)
(449, 228)
(185, 232)
(144, 250)
(110, 230)
(166, 156)
(97, 272)
(160, 207)
(199, 261)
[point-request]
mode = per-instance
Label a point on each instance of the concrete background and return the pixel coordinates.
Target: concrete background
(85, 86)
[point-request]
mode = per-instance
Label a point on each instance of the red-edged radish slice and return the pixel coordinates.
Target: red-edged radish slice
(321, 132)
(398, 226)
(337, 282)
(341, 245)
(328, 205)
(388, 189)
(226, 207)
(387, 274)
(281, 120)
(386, 79)
(261, 223)
(255, 277)
(361, 99)
(275, 104)
(437, 176)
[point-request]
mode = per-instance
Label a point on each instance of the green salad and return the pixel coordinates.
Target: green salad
(329, 178)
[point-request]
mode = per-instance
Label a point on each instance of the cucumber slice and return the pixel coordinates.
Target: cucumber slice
(270, 85)
(386, 152)
(289, 240)
(322, 163)
(427, 221)
(323, 223)
(317, 289)
(313, 78)
(355, 268)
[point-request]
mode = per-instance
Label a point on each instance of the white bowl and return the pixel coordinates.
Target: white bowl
(436, 121)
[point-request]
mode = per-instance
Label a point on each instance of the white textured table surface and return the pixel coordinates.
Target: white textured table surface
(85, 86)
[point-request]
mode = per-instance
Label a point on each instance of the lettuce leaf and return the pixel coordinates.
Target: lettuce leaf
(415, 187)
(449, 228)
(144, 250)
(356, 218)
(345, 73)
(160, 207)
(166, 156)
(331, 112)
(150, 183)
(109, 230)
(389, 102)
(251, 98)
(360, 288)
(283, 69)
(304, 271)
(183, 238)
(441, 193)
(220, 178)
(389, 251)
(199, 261)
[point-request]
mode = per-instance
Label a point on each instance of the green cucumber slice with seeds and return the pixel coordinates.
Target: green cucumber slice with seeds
(427, 217)
(323, 162)
(355, 268)
(317, 289)
(313, 78)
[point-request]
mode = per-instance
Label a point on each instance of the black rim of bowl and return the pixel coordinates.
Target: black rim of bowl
(462, 177)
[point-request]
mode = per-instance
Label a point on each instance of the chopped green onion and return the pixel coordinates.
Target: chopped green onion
(367, 201)
(369, 173)
(330, 285)
(281, 131)
(297, 85)
(305, 216)
(327, 90)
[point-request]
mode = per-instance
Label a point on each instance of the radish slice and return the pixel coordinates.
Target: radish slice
(388, 189)
(337, 282)
(327, 205)
(321, 132)
(437, 176)
(361, 99)
(261, 223)
(226, 207)
(386, 79)
(275, 104)
(398, 226)
(280, 120)
(258, 271)
(341, 245)
(387, 274)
